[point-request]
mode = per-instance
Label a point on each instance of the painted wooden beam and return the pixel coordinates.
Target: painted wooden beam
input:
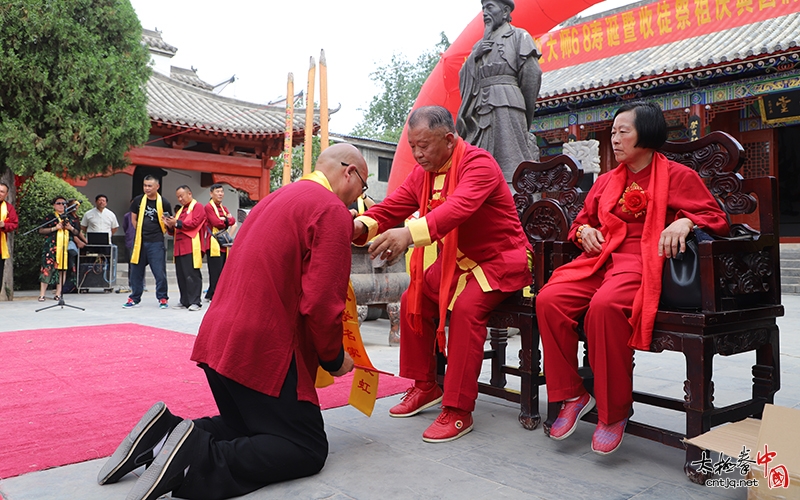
(198, 162)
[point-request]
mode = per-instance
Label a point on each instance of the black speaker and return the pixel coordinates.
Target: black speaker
(93, 275)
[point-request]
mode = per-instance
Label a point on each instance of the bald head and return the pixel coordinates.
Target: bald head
(342, 164)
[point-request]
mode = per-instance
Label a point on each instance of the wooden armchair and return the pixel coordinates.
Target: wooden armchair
(740, 279)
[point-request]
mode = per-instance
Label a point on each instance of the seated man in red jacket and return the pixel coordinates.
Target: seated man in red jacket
(276, 318)
(189, 228)
(466, 209)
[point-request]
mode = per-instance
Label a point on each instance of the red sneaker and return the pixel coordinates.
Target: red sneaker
(607, 438)
(415, 400)
(451, 424)
(571, 412)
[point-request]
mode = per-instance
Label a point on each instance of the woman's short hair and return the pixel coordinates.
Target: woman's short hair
(57, 198)
(651, 127)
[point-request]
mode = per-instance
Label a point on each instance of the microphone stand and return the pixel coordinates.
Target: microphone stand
(67, 210)
(62, 273)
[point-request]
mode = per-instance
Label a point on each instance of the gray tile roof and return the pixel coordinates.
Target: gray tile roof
(157, 44)
(736, 44)
(173, 102)
(189, 76)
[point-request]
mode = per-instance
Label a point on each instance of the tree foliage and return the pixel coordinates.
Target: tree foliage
(73, 95)
(35, 202)
(400, 81)
(276, 175)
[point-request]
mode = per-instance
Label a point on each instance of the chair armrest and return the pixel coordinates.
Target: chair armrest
(735, 274)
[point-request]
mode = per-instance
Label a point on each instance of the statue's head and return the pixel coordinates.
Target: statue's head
(497, 12)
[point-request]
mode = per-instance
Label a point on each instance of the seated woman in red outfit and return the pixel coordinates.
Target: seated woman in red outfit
(633, 218)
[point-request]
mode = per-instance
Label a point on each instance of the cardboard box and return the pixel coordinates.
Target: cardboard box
(775, 437)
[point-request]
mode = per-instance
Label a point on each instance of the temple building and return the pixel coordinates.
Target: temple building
(722, 65)
(198, 138)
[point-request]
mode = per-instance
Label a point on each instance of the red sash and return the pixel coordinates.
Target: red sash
(448, 255)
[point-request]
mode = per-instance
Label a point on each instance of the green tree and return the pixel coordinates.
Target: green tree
(400, 81)
(73, 73)
(276, 175)
(35, 203)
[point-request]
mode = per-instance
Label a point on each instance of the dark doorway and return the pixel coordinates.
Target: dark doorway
(140, 173)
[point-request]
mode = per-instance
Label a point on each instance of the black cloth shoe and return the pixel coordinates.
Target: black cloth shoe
(137, 447)
(167, 471)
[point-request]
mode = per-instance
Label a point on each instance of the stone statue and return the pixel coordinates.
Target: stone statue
(499, 83)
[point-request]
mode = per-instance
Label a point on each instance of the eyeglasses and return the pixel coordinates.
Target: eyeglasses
(60, 203)
(363, 184)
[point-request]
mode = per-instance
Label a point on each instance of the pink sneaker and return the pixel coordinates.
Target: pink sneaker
(415, 400)
(607, 438)
(451, 424)
(571, 412)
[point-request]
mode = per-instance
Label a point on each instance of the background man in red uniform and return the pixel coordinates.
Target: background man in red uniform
(276, 318)
(8, 223)
(218, 218)
(466, 208)
(188, 226)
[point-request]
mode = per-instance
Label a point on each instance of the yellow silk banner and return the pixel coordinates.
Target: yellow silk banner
(364, 391)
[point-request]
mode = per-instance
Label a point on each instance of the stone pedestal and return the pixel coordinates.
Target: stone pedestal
(381, 286)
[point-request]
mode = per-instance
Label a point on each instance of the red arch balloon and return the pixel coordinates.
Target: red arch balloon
(441, 87)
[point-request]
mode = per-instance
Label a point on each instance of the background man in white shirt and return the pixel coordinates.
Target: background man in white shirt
(100, 219)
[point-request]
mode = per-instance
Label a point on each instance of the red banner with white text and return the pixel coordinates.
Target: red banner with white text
(652, 25)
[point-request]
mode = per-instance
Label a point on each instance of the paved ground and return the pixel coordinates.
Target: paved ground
(385, 458)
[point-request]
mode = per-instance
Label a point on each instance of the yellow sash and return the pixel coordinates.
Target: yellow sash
(3, 239)
(214, 249)
(364, 390)
(137, 243)
(62, 246)
(197, 249)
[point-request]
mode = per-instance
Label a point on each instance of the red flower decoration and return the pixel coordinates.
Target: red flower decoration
(634, 200)
(435, 203)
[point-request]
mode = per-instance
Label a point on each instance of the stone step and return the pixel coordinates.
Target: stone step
(790, 269)
(789, 253)
(787, 289)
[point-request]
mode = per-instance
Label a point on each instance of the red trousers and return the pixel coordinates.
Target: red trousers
(466, 339)
(607, 299)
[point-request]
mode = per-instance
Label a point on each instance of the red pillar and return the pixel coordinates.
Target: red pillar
(263, 186)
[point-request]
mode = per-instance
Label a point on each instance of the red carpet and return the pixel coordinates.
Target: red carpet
(72, 394)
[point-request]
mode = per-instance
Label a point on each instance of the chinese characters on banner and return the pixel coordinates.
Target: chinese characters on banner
(652, 25)
(777, 476)
(364, 390)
